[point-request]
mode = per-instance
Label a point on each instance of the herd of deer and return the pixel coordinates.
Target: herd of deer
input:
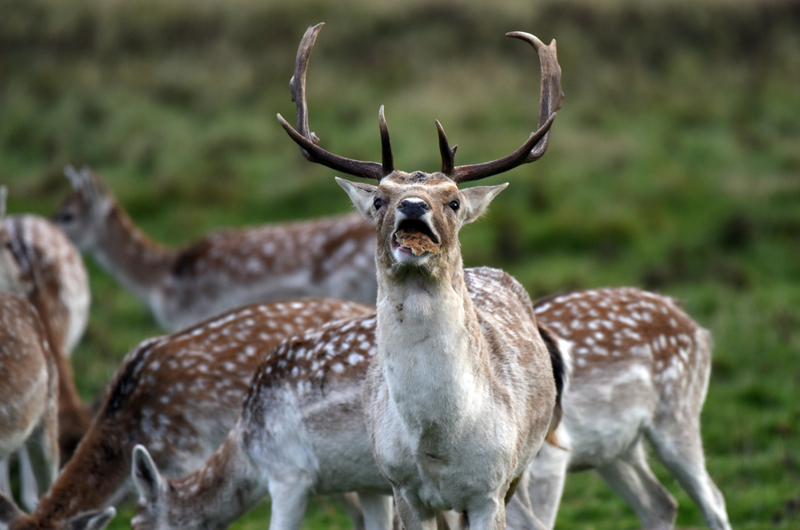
(456, 401)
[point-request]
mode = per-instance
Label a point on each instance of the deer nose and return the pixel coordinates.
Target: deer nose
(413, 208)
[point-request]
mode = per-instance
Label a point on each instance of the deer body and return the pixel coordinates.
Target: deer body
(179, 396)
(36, 242)
(328, 257)
(300, 433)
(433, 411)
(640, 370)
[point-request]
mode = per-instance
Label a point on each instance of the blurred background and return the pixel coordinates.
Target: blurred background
(674, 165)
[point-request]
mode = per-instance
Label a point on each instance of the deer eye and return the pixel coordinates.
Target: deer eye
(65, 217)
(454, 205)
(378, 203)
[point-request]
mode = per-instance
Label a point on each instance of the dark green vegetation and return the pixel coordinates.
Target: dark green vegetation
(674, 165)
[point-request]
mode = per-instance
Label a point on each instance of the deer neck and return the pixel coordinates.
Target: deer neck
(431, 349)
(135, 260)
(89, 480)
(194, 501)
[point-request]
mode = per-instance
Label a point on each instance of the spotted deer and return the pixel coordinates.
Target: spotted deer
(42, 255)
(301, 432)
(460, 395)
(327, 257)
(640, 370)
(37, 254)
(179, 396)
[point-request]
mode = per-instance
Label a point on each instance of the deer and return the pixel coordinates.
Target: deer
(640, 370)
(48, 270)
(301, 432)
(177, 394)
(28, 378)
(461, 393)
(45, 257)
(225, 269)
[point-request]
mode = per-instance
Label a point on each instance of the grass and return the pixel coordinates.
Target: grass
(673, 165)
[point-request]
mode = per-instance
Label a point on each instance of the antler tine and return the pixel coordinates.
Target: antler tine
(549, 102)
(551, 93)
(448, 154)
(306, 139)
(387, 157)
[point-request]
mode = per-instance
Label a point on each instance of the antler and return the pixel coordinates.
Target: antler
(308, 140)
(532, 150)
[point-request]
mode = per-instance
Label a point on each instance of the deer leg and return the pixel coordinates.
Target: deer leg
(413, 517)
(5, 483)
(631, 478)
(490, 514)
(43, 452)
(378, 511)
(288, 505)
(681, 451)
(547, 474)
(352, 506)
(29, 490)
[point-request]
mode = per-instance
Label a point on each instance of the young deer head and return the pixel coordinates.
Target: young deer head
(443, 355)
(85, 209)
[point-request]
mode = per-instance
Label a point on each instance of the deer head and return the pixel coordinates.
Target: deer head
(419, 214)
(84, 209)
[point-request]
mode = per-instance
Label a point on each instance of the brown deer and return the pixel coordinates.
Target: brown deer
(640, 370)
(460, 395)
(328, 257)
(178, 395)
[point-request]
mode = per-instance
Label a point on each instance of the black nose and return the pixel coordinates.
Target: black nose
(413, 208)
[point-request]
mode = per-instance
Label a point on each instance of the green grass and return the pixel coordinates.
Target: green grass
(674, 165)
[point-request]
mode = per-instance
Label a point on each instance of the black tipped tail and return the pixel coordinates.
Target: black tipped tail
(560, 375)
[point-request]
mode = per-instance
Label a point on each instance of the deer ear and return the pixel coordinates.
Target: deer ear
(476, 200)
(362, 196)
(9, 511)
(93, 520)
(85, 182)
(145, 474)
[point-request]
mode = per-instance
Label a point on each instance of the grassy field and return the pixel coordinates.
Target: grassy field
(674, 165)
